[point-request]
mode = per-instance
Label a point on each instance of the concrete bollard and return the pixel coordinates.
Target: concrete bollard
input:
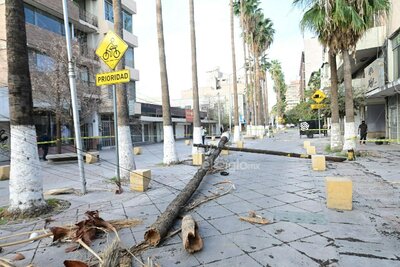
(140, 179)
(137, 150)
(240, 144)
(318, 162)
(198, 159)
(311, 150)
(187, 142)
(307, 144)
(4, 172)
(212, 138)
(339, 193)
(90, 158)
(224, 152)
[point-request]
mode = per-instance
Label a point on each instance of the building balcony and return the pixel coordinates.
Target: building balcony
(134, 73)
(135, 108)
(366, 50)
(129, 5)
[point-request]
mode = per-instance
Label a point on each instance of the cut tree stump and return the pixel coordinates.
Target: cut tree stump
(191, 238)
(159, 229)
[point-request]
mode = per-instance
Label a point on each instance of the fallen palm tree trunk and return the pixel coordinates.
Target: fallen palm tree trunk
(191, 238)
(159, 229)
(275, 153)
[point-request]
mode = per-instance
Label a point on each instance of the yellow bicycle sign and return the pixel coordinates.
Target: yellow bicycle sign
(111, 49)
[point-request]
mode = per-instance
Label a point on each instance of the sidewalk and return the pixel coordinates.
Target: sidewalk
(302, 232)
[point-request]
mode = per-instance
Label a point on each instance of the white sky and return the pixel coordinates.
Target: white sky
(212, 23)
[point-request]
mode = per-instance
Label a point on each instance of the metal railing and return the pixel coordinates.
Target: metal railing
(88, 17)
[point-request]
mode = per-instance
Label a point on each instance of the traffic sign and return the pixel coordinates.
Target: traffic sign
(318, 106)
(318, 96)
(122, 76)
(111, 49)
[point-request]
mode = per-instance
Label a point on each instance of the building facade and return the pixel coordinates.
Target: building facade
(293, 94)
(89, 22)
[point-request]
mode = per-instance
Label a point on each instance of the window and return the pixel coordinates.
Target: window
(109, 15)
(41, 62)
(29, 15)
(127, 21)
(43, 20)
(108, 9)
(84, 74)
(44, 63)
(110, 92)
(129, 60)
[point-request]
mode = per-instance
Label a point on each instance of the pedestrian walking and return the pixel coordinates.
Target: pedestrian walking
(203, 134)
(270, 130)
(363, 130)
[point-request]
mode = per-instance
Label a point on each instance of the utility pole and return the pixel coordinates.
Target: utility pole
(74, 101)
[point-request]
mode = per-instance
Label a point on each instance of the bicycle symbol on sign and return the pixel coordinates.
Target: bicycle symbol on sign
(111, 51)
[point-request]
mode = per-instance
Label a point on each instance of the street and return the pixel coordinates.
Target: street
(286, 191)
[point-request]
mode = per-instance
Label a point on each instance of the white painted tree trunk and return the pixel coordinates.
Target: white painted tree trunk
(236, 134)
(126, 159)
(26, 183)
(170, 156)
(350, 137)
(336, 137)
(197, 139)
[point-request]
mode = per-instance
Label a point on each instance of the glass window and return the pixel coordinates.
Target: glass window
(44, 63)
(84, 74)
(396, 56)
(129, 60)
(127, 21)
(108, 9)
(29, 15)
(47, 22)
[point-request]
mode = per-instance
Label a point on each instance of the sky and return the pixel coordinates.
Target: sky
(212, 24)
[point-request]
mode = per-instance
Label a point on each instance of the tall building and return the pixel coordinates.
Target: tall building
(293, 94)
(89, 21)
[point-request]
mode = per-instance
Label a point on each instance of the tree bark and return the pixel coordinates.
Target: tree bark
(170, 156)
(126, 160)
(266, 100)
(336, 140)
(349, 130)
(159, 229)
(26, 185)
(236, 135)
(275, 153)
(197, 139)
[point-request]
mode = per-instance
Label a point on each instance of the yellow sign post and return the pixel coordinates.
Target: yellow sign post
(318, 106)
(318, 96)
(111, 49)
(122, 76)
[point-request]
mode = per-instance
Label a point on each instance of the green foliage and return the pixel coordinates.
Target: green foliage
(302, 111)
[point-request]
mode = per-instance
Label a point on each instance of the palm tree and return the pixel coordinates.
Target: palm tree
(170, 156)
(126, 160)
(236, 133)
(26, 184)
(317, 19)
(197, 139)
(354, 18)
(279, 87)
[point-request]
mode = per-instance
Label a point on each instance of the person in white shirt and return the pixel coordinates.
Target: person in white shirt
(203, 134)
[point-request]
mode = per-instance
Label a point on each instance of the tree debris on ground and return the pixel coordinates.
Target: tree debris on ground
(159, 229)
(62, 191)
(254, 218)
(69, 232)
(191, 238)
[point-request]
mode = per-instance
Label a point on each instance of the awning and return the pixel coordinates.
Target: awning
(388, 89)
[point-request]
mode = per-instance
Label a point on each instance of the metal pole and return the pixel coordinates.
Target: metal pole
(116, 131)
(75, 113)
(319, 123)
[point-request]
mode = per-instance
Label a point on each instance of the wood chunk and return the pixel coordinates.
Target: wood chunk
(191, 238)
